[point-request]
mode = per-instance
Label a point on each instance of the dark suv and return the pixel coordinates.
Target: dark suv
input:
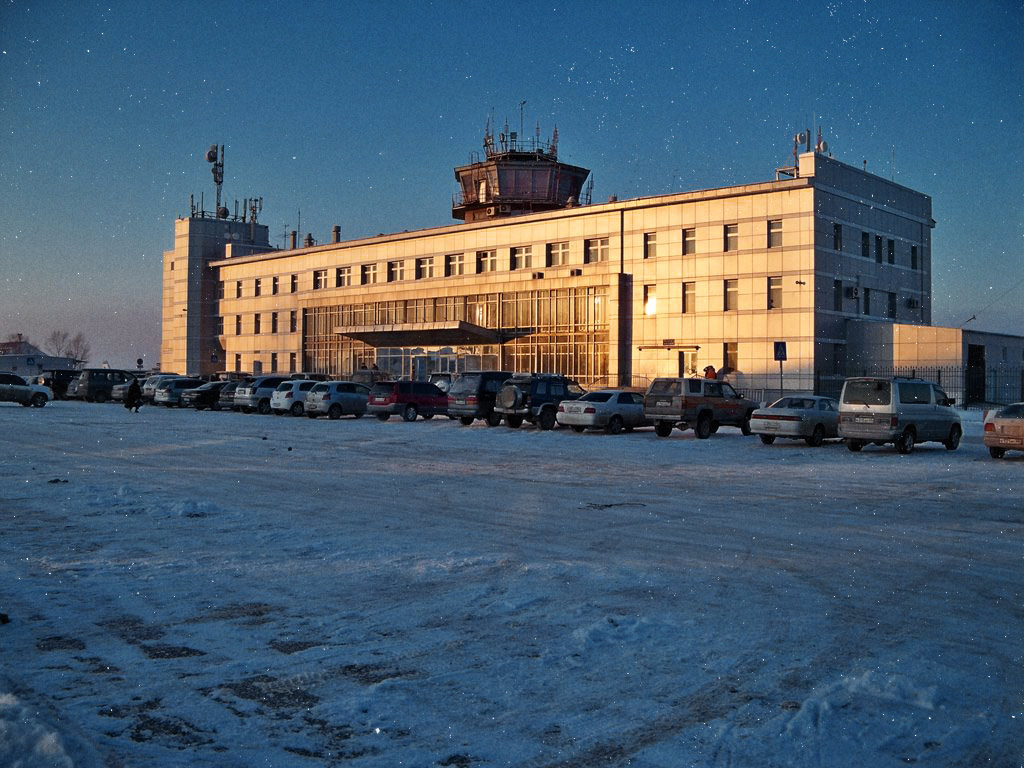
(95, 384)
(534, 397)
(472, 396)
(408, 398)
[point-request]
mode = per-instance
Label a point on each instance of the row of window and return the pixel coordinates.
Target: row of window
(293, 323)
(730, 296)
(730, 239)
(883, 250)
(257, 367)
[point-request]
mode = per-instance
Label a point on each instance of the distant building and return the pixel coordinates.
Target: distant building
(826, 257)
(28, 360)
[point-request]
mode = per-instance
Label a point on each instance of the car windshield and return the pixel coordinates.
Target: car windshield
(321, 387)
(867, 392)
(284, 386)
(1015, 411)
(464, 384)
(597, 397)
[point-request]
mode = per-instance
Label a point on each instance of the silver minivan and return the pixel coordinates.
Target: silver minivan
(896, 410)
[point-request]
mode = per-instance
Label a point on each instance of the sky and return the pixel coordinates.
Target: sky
(354, 114)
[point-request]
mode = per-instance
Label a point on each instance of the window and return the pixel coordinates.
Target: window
(293, 321)
(689, 241)
(595, 250)
(558, 254)
(650, 245)
(368, 274)
(731, 288)
(878, 249)
(256, 323)
(273, 322)
(295, 284)
(913, 257)
(867, 301)
(275, 285)
(650, 300)
(238, 289)
(220, 289)
(521, 257)
(891, 252)
(487, 261)
(425, 268)
(689, 300)
(731, 237)
(730, 355)
(319, 279)
(256, 286)
(218, 326)
(238, 363)
(837, 237)
(291, 362)
(892, 305)
(396, 271)
(454, 264)
(775, 233)
(273, 362)
(837, 295)
(342, 277)
(865, 245)
(774, 292)
(238, 325)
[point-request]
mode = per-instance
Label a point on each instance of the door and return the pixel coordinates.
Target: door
(974, 386)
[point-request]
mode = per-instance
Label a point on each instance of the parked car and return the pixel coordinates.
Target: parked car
(1004, 431)
(896, 410)
(95, 384)
(290, 397)
(336, 399)
(150, 384)
(612, 410)
(810, 417)
(255, 395)
(704, 404)
(408, 398)
(206, 396)
(472, 395)
(168, 393)
(57, 381)
(226, 400)
(14, 389)
(534, 397)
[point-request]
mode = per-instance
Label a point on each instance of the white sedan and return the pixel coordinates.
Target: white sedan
(810, 417)
(613, 410)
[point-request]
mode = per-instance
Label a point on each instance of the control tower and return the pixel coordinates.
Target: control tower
(516, 176)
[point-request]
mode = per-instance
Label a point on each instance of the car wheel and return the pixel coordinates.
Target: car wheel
(745, 424)
(767, 439)
(854, 445)
(953, 441)
(263, 407)
(334, 412)
(546, 420)
(663, 428)
(428, 416)
(703, 430)
(466, 420)
(996, 453)
(905, 442)
(577, 428)
(199, 407)
(383, 416)
(493, 419)
(38, 400)
(614, 425)
(101, 397)
(817, 437)
(514, 421)
(297, 409)
(312, 415)
(410, 413)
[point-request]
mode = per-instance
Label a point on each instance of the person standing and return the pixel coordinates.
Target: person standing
(133, 399)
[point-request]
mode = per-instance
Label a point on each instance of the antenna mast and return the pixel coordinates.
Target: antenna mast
(218, 176)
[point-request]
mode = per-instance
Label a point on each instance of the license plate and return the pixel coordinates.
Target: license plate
(1012, 441)
(460, 402)
(864, 420)
(769, 426)
(664, 403)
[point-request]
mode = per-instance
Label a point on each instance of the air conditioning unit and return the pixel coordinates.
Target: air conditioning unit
(490, 210)
(913, 303)
(853, 292)
(575, 272)
(505, 208)
(538, 275)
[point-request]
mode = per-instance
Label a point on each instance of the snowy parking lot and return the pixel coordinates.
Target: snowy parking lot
(220, 589)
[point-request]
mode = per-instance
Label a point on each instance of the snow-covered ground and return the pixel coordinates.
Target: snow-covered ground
(218, 589)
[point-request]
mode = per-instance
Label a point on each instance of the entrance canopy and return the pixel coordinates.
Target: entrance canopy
(445, 334)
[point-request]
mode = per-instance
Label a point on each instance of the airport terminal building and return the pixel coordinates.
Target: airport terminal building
(536, 278)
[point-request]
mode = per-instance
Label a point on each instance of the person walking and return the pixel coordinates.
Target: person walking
(133, 399)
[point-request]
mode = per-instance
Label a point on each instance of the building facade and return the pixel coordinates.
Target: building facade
(612, 293)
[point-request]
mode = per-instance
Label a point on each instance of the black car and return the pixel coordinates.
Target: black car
(534, 397)
(226, 399)
(206, 396)
(58, 381)
(472, 395)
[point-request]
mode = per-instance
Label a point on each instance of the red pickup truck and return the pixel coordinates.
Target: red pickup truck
(703, 404)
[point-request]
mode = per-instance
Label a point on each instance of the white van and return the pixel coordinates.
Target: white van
(896, 410)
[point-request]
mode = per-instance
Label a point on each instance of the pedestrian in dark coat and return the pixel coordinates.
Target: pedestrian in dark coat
(133, 399)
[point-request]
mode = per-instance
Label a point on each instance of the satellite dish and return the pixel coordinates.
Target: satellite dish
(801, 138)
(824, 146)
(222, 212)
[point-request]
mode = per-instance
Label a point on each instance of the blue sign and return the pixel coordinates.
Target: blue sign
(780, 350)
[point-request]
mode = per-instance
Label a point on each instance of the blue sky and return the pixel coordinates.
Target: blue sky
(356, 113)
